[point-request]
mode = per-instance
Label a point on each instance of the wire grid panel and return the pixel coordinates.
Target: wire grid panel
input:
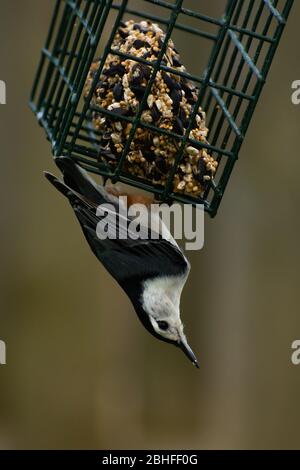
(240, 45)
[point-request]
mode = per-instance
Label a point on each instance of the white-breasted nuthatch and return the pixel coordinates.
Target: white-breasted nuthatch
(152, 272)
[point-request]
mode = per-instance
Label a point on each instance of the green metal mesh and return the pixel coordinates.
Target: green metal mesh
(240, 43)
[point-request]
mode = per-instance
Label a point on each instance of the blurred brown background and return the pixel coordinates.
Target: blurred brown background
(81, 371)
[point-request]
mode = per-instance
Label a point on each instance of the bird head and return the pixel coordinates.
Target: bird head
(161, 316)
(168, 328)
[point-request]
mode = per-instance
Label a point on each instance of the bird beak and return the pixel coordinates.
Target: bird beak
(188, 351)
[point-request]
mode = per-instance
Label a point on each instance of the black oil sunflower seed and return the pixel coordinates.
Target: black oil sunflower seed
(183, 118)
(177, 126)
(138, 44)
(121, 111)
(155, 113)
(138, 27)
(176, 62)
(138, 91)
(146, 71)
(189, 93)
(202, 171)
(123, 33)
(171, 84)
(176, 96)
(161, 164)
(139, 72)
(118, 92)
(117, 69)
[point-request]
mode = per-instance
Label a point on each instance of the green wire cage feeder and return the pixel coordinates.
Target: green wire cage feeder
(157, 94)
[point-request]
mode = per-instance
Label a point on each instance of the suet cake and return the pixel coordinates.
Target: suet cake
(169, 106)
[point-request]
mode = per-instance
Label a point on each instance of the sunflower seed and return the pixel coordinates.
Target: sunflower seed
(168, 81)
(146, 71)
(176, 61)
(188, 93)
(118, 92)
(138, 44)
(137, 26)
(123, 33)
(177, 126)
(201, 171)
(138, 73)
(161, 164)
(176, 96)
(139, 91)
(121, 111)
(183, 118)
(117, 69)
(155, 113)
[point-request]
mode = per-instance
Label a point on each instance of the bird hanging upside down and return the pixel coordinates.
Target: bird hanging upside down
(152, 272)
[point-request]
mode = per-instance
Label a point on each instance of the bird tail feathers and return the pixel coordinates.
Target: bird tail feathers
(76, 182)
(60, 185)
(77, 179)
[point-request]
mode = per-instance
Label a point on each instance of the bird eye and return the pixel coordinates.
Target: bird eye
(163, 325)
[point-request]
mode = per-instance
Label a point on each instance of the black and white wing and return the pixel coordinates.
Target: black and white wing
(127, 258)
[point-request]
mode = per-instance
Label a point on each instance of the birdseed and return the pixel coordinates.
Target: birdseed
(169, 106)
